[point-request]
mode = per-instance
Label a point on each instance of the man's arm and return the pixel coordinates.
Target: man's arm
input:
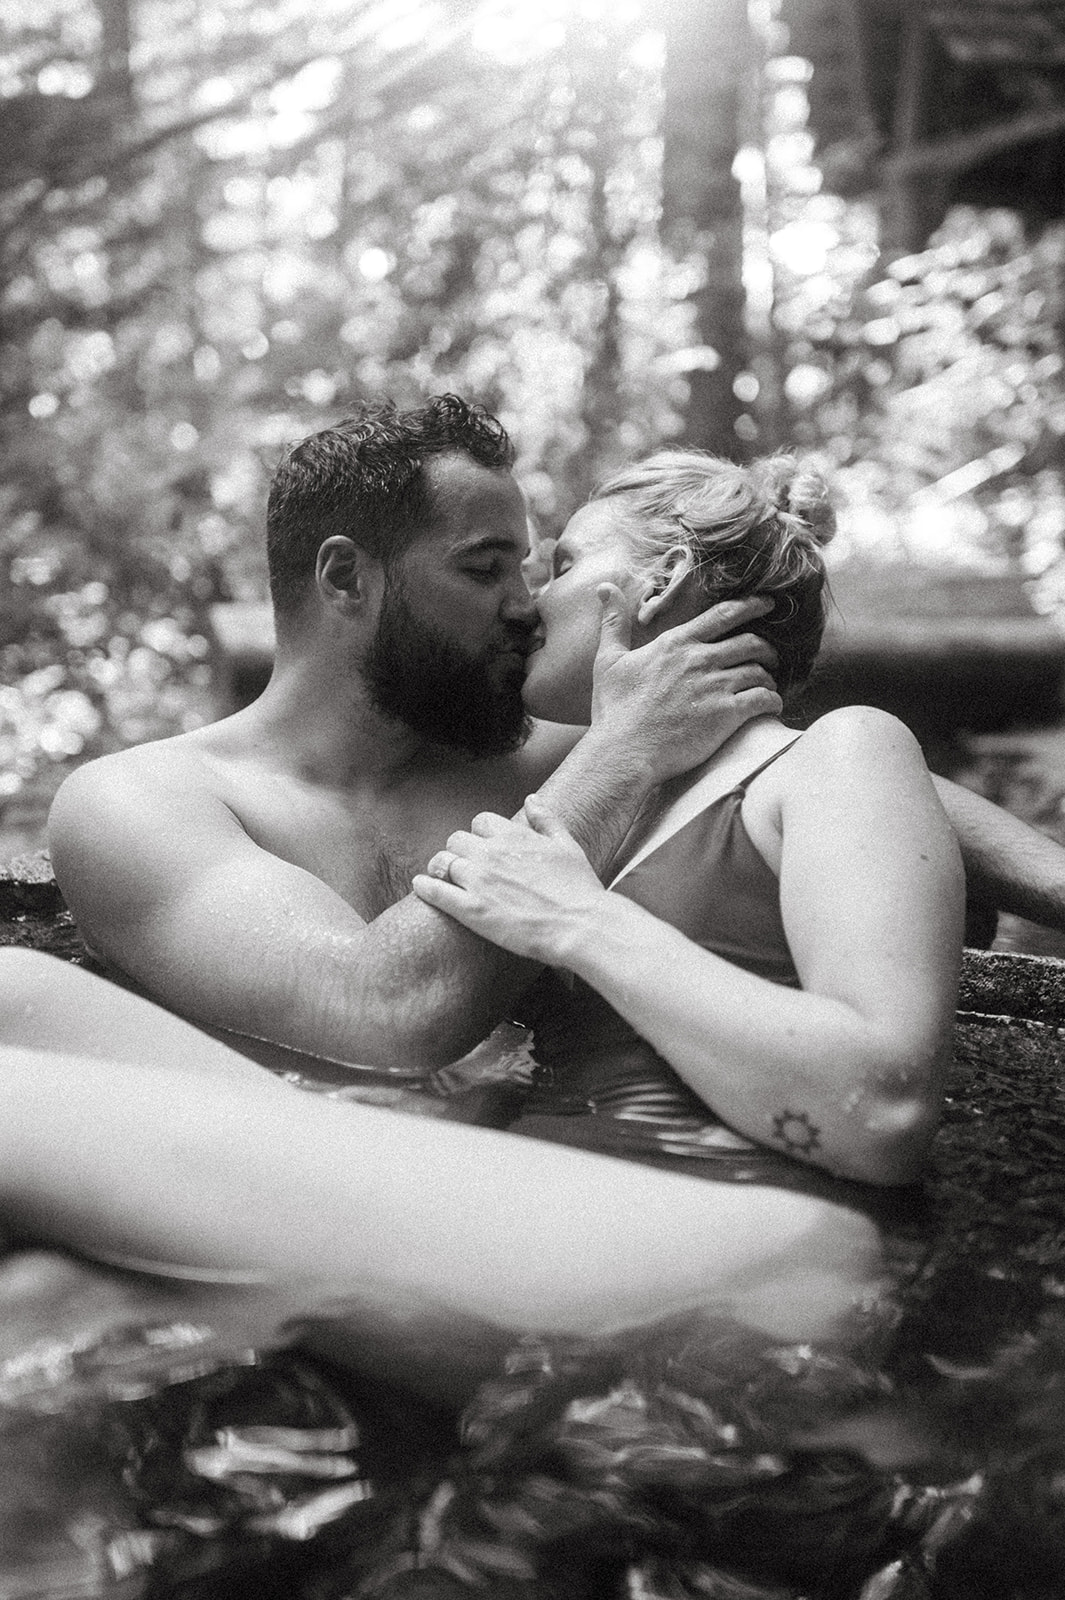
(657, 712)
(1007, 863)
(166, 883)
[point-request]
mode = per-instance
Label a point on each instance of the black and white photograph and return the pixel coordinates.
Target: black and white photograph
(532, 800)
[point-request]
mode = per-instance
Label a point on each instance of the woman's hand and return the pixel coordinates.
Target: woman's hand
(525, 885)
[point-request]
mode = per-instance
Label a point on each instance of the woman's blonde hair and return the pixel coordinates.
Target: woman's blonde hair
(742, 530)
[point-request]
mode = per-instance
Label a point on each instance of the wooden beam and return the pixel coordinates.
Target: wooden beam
(955, 153)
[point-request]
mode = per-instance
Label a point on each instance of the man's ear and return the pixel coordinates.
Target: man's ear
(345, 573)
(663, 591)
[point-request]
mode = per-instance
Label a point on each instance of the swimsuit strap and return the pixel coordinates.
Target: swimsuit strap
(738, 790)
(742, 786)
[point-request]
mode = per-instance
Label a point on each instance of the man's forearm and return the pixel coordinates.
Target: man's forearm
(1007, 862)
(597, 792)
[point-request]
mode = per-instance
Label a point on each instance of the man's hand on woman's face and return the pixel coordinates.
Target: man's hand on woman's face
(679, 697)
(525, 885)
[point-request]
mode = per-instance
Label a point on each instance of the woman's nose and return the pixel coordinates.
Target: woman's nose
(536, 568)
(520, 605)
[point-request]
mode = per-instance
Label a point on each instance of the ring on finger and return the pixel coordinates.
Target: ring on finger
(441, 863)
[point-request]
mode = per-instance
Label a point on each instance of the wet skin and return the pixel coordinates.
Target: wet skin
(361, 831)
(254, 875)
(156, 1149)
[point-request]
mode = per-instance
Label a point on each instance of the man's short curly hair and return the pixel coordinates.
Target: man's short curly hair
(363, 478)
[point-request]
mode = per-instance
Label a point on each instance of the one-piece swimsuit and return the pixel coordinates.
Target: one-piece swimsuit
(599, 1085)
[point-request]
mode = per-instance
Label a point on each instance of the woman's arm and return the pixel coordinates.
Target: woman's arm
(844, 1073)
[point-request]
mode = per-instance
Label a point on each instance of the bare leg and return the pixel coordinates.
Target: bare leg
(47, 1004)
(427, 1246)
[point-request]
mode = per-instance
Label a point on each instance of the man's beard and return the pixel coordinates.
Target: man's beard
(425, 680)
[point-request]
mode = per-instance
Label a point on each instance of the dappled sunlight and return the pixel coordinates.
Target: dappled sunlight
(406, 196)
(513, 32)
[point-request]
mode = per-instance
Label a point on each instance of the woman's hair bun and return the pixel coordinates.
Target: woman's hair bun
(742, 530)
(798, 489)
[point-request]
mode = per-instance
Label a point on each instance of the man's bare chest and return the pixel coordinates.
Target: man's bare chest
(364, 846)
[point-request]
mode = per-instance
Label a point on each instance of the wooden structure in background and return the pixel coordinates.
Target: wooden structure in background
(943, 656)
(936, 103)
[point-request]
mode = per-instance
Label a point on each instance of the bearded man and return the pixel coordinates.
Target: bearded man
(254, 874)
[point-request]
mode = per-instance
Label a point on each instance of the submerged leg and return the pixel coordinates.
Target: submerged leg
(48, 1004)
(426, 1246)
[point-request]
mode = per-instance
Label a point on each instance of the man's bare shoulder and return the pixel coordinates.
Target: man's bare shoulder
(136, 833)
(150, 794)
(170, 769)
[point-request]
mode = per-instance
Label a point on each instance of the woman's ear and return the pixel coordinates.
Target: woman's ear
(343, 572)
(663, 591)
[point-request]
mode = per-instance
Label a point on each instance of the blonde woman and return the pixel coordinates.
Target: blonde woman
(768, 983)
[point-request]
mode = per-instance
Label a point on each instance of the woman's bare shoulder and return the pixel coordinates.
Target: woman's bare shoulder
(859, 769)
(858, 723)
(858, 735)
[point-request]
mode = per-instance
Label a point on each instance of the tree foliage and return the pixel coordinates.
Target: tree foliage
(222, 224)
(933, 385)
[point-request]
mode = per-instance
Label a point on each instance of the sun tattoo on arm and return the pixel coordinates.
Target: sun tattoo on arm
(797, 1133)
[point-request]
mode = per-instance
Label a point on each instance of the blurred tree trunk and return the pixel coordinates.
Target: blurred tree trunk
(115, 95)
(604, 405)
(912, 204)
(708, 56)
(116, 37)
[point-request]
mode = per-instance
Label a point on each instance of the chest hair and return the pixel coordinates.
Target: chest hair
(389, 878)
